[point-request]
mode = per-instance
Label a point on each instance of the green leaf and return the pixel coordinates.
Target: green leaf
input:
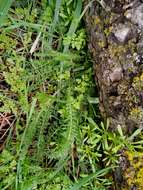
(4, 7)
(93, 100)
(85, 180)
(136, 133)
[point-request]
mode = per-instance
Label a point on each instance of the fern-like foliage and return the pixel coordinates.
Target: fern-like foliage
(70, 126)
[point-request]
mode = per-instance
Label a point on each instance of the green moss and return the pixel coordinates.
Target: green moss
(6, 43)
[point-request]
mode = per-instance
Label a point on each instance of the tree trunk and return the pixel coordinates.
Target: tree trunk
(115, 30)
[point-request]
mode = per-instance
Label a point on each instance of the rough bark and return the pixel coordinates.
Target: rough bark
(115, 30)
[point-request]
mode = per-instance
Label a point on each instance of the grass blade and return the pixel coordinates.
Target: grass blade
(4, 7)
(75, 22)
(85, 180)
(56, 16)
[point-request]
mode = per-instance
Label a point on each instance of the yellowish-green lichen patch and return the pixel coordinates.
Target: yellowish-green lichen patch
(107, 31)
(115, 50)
(136, 114)
(121, 49)
(102, 44)
(97, 20)
(138, 82)
(134, 172)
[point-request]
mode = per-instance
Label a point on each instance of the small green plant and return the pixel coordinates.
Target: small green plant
(76, 41)
(8, 169)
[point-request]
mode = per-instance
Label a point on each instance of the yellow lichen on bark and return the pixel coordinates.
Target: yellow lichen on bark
(134, 172)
